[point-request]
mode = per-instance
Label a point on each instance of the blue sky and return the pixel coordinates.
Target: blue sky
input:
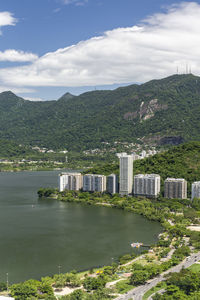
(49, 47)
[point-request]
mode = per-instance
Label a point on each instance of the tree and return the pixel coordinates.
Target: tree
(76, 295)
(171, 289)
(91, 283)
(3, 286)
(22, 291)
(46, 289)
(139, 277)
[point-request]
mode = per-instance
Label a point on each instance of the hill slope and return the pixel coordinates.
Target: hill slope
(10, 150)
(165, 111)
(182, 161)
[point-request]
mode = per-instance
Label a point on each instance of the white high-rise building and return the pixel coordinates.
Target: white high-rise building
(94, 183)
(112, 184)
(70, 181)
(147, 185)
(126, 174)
(175, 188)
(196, 190)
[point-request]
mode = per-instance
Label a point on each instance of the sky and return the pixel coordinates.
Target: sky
(50, 47)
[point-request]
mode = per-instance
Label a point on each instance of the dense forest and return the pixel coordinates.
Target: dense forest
(10, 149)
(160, 111)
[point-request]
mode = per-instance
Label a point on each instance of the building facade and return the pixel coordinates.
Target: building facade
(196, 190)
(70, 181)
(126, 174)
(94, 183)
(112, 184)
(175, 188)
(147, 185)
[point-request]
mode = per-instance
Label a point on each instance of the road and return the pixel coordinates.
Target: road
(138, 292)
(159, 292)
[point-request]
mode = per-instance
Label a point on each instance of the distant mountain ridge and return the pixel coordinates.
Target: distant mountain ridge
(66, 97)
(161, 111)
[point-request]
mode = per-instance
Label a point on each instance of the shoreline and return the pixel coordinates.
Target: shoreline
(135, 206)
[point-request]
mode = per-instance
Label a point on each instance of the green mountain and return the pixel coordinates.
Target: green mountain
(163, 111)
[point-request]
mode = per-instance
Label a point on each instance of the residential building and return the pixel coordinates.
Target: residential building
(112, 184)
(143, 154)
(147, 185)
(70, 181)
(196, 190)
(94, 183)
(126, 174)
(175, 188)
(135, 156)
(87, 183)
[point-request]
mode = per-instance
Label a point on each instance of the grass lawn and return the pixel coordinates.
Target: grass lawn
(142, 261)
(195, 267)
(123, 286)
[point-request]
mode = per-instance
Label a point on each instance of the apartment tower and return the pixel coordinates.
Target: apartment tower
(94, 183)
(70, 181)
(196, 190)
(112, 184)
(147, 185)
(175, 188)
(126, 174)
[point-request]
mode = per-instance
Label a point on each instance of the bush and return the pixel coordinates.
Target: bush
(3, 286)
(91, 283)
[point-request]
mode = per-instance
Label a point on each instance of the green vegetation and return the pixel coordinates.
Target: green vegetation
(175, 242)
(164, 110)
(176, 237)
(18, 157)
(158, 287)
(44, 289)
(32, 289)
(123, 286)
(195, 268)
(182, 161)
(182, 285)
(160, 209)
(148, 266)
(3, 286)
(9, 149)
(100, 294)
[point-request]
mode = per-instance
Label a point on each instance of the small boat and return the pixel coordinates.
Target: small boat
(136, 245)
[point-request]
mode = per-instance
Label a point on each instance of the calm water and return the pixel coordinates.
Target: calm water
(36, 236)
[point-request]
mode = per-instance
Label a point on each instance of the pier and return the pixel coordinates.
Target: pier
(138, 245)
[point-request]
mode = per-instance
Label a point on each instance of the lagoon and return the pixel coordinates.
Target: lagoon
(42, 237)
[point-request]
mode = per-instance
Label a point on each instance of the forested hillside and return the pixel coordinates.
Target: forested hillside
(182, 161)
(163, 111)
(9, 149)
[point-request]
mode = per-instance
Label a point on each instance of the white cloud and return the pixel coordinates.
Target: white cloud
(17, 56)
(76, 2)
(152, 49)
(6, 18)
(33, 99)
